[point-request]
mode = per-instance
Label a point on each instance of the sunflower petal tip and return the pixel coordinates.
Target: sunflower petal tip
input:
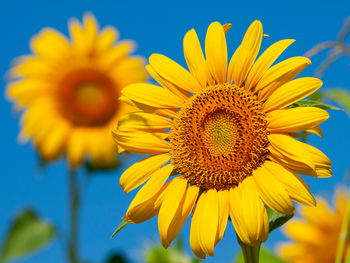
(226, 27)
(257, 23)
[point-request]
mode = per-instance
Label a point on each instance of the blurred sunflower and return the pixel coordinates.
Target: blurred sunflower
(228, 133)
(68, 89)
(316, 235)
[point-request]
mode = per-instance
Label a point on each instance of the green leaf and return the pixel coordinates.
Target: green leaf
(27, 234)
(312, 103)
(266, 256)
(119, 228)
(340, 96)
(317, 96)
(276, 219)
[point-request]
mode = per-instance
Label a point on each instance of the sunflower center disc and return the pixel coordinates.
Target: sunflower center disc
(219, 137)
(88, 97)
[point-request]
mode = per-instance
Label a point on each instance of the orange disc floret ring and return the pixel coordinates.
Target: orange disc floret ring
(219, 137)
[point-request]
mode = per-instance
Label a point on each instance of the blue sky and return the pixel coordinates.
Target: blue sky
(157, 27)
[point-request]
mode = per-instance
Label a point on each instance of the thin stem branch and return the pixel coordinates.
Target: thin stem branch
(74, 205)
(344, 234)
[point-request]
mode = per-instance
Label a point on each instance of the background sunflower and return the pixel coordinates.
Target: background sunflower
(317, 233)
(69, 90)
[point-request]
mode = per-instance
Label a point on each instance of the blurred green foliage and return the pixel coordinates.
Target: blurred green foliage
(157, 254)
(340, 96)
(28, 233)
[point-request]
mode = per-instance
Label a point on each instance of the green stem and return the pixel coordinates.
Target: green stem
(74, 204)
(344, 234)
(250, 254)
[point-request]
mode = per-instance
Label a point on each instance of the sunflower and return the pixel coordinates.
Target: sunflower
(68, 89)
(224, 134)
(316, 235)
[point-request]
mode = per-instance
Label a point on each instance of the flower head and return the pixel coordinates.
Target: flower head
(316, 235)
(68, 89)
(224, 136)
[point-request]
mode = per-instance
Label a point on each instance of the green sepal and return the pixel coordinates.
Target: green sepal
(119, 228)
(276, 219)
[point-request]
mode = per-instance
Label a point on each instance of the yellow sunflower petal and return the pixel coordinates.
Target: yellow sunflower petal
(294, 251)
(152, 95)
(272, 192)
(28, 66)
(195, 58)
(291, 92)
(90, 32)
(207, 213)
(280, 74)
(248, 213)
(323, 173)
(141, 171)
(297, 230)
(295, 119)
(182, 212)
(194, 235)
(216, 52)
(223, 198)
(147, 192)
(147, 209)
(296, 188)
(146, 108)
(106, 39)
(318, 216)
(76, 147)
(292, 149)
(56, 141)
(101, 156)
(50, 44)
(183, 94)
(246, 53)
(265, 61)
(171, 203)
(116, 53)
(143, 122)
(319, 158)
(77, 35)
(26, 91)
(316, 130)
(129, 70)
(173, 72)
(142, 142)
(340, 200)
